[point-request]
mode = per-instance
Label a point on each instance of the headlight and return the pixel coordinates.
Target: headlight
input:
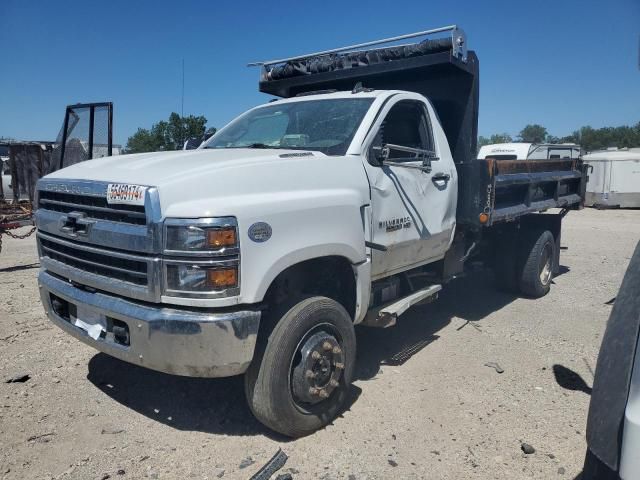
(202, 237)
(213, 271)
(200, 278)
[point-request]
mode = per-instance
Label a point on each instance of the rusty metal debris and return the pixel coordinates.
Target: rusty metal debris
(21, 378)
(495, 366)
(13, 216)
(272, 466)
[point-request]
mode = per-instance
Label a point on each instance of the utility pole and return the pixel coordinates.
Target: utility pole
(182, 132)
(182, 101)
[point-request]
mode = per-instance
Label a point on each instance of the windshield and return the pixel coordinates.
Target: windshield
(327, 126)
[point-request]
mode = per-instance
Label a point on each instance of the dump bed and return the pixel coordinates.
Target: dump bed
(444, 71)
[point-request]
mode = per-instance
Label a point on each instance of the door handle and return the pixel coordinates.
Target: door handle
(441, 177)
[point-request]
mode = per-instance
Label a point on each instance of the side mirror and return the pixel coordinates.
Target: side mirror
(192, 143)
(380, 154)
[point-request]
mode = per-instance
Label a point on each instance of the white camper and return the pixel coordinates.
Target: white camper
(529, 151)
(614, 178)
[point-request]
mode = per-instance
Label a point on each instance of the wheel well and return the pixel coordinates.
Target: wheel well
(331, 277)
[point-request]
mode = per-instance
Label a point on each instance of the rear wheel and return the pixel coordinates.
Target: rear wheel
(537, 264)
(300, 375)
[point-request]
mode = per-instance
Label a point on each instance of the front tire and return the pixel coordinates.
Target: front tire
(300, 375)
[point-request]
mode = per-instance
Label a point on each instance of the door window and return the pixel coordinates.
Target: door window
(407, 125)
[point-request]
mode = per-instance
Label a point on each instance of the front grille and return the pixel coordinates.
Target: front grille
(101, 263)
(93, 206)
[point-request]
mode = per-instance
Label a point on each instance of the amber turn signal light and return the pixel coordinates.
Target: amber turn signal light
(222, 278)
(221, 237)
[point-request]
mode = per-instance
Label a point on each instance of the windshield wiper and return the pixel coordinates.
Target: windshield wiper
(257, 145)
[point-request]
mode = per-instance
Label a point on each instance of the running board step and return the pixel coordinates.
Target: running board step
(387, 315)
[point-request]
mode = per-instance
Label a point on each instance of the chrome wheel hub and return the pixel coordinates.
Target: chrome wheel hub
(319, 371)
(545, 265)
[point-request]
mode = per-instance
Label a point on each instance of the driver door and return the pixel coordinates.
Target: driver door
(413, 200)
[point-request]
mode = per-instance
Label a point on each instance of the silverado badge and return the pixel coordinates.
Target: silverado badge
(394, 224)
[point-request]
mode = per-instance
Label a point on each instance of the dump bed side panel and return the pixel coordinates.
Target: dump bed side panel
(506, 189)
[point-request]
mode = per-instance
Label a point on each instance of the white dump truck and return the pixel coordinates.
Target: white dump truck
(353, 196)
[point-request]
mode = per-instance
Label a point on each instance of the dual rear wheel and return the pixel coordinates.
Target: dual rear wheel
(525, 263)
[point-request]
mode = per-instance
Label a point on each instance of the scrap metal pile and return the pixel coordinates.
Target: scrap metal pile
(86, 133)
(25, 164)
(14, 216)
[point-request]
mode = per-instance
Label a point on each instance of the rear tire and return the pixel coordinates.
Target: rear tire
(314, 335)
(539, 251)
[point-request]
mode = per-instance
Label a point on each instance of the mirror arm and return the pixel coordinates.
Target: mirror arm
(382, 155)
(418, 151)
(425, 167)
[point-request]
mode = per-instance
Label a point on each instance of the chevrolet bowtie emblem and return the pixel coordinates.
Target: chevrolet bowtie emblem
(76, 223)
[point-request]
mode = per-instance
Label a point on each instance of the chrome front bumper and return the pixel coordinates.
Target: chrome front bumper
(194, 343)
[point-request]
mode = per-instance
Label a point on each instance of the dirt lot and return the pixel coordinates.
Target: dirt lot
(424, 404)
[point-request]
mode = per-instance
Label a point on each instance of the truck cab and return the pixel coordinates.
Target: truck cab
(346, 200)
(361, 123)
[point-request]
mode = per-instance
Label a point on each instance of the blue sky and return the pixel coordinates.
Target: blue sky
(562, 63)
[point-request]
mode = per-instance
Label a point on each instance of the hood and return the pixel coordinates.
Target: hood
(165, 168)
(211, 182)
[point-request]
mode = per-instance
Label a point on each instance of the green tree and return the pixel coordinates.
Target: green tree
(589, 138)
(167, 135)
(495, 138)
(533, 133)
(145, 141)
(608, 137)
(573, 138)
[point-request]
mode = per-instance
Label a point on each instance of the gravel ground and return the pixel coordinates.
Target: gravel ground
(424, 403)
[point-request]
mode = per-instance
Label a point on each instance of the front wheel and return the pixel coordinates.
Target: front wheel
(300, 375)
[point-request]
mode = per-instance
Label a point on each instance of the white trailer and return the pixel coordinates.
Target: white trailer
(529, 151)
(614, 178)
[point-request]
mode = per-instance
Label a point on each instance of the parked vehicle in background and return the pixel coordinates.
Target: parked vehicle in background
(350, 199)
(529, 151)
(4, 152)
(613, 426)
(614, 178)
(20, 151)
(5, 172)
